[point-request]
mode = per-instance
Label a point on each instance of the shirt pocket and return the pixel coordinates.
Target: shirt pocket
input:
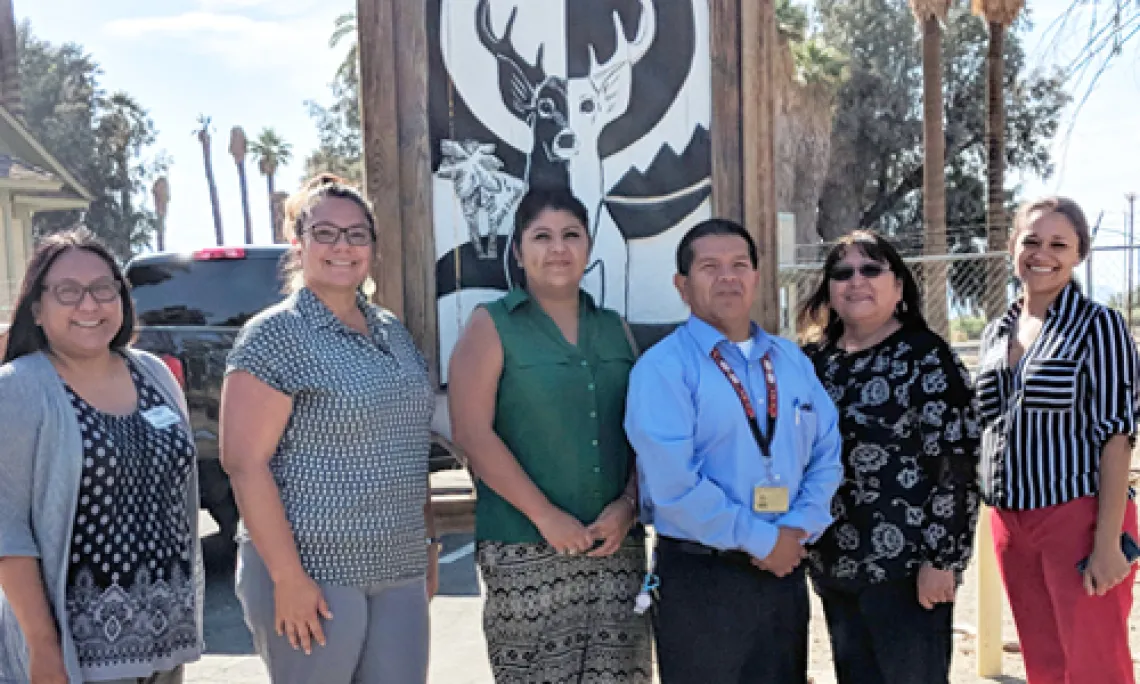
(806, 424)
(1050, 384)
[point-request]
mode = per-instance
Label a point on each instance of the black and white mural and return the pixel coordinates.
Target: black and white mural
(609, 97)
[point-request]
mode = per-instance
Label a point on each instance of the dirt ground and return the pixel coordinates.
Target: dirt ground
(965, 622)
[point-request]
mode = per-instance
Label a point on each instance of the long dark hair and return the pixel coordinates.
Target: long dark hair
(820, 324)
(25, 337)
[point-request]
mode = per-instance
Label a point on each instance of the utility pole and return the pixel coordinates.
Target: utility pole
(1131, 197)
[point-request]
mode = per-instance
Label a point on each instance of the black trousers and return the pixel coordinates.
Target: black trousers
(722, 621)
(882, 635)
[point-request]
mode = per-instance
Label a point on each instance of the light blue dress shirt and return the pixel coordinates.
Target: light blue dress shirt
(697, 459)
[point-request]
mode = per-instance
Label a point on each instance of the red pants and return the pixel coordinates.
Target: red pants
(1067, 637)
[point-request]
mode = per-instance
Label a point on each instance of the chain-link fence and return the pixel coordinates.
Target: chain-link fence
(960, 291)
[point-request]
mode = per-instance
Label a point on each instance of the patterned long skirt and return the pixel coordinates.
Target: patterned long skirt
(564, 619)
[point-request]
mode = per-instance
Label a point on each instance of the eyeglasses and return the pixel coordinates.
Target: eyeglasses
(869, 270)
(71, 292)
(329, 234)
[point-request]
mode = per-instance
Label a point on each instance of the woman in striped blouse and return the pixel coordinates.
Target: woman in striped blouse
(1058, 388)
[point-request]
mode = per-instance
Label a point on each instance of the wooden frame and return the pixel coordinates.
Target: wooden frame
(394, 77)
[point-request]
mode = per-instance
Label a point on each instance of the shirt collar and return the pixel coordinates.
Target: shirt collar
(519, 296)
(1068, 296)
(320, 315)
(708, 337)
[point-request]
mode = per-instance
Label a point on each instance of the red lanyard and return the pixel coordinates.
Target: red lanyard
(763, 439)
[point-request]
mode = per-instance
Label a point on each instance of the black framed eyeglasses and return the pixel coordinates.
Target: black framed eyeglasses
(868, 270)
(71, 292)
(329, 234)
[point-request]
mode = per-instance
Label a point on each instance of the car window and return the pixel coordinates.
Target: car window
(214, 292)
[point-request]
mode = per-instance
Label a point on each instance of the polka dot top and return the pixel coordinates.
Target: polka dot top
(130, 592)
(351, 466)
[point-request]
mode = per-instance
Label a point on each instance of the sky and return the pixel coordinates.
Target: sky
(254, 62)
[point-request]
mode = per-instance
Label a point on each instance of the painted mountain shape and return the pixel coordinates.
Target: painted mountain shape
(672, 187)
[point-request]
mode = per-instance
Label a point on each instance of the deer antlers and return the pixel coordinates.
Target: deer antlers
(502, 48)
(633, 50)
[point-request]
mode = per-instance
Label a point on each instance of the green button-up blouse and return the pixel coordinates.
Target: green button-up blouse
(559, 409)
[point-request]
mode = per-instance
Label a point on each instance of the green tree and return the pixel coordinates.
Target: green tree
(271, 152)
(340, 147)
(104, 139)
(876, 174)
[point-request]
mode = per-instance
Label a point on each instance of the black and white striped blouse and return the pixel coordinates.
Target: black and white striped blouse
(1046, 421)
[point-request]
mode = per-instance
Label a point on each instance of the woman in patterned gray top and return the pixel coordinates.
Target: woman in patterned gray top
(325, 432)
(98, 496)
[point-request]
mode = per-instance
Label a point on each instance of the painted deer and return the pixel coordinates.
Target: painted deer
(596, 101)
(534, 98)
(486, 194)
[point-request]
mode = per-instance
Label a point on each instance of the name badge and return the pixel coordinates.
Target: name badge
(161, 417)
(770, 499)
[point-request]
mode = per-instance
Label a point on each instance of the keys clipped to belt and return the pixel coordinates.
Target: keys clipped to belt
(649, 587)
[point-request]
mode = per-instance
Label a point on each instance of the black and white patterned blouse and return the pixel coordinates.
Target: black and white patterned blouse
(1046, 421)
(351, 466)
(910, 451)
(130, 592)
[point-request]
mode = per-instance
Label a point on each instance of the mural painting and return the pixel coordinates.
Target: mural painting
(609, 97)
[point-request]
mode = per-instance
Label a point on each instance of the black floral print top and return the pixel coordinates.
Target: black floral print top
(910, 454)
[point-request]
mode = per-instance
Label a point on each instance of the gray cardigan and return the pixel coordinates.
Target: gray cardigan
(40, 471)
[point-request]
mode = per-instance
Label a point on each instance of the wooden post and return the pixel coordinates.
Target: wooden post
(990, 640)
(379, 123)
(743, 40)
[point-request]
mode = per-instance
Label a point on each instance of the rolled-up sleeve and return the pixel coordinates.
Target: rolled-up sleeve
(21, 420)
(811, 510)
(265, 349)
(660, 424)
(1112, 369)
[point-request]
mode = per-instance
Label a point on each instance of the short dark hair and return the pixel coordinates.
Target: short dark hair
(540, 198)
(819, 324)
(25, 337)
(713, 226)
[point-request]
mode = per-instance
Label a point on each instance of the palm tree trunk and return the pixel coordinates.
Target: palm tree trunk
(243, 183)
(997, 221)
(160, 233)
(934, 274)
(215, 204)
(274, 219)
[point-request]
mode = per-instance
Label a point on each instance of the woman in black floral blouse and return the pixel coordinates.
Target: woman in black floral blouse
(887, 569)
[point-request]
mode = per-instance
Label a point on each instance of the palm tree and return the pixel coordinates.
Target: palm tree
(345, 27)
(161, 192)
(239, 145)
(203, 134)
(271, 152)
(930, 15)
(1000, 15)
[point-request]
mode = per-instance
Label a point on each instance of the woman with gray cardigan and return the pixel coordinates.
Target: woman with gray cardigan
(100, 575)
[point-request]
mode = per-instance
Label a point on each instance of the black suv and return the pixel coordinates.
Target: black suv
(190, 308)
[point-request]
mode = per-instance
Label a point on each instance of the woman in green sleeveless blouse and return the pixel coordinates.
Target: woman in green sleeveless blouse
(537, 395)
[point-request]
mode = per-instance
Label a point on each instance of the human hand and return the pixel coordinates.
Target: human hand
(786, 555)
(936, 586)
(1108, 567)
(612, 526)
(563, 531)
(300, 605)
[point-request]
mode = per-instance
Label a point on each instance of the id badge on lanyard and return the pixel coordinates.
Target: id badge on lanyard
(770, 495)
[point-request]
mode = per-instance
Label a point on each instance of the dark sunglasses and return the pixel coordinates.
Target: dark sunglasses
(869, 270)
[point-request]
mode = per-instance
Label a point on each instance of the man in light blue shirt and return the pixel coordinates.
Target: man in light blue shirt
(733, 499)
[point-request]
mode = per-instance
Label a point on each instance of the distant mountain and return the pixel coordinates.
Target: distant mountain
(672, 187)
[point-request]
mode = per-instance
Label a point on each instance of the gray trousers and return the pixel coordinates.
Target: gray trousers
(377, 635)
